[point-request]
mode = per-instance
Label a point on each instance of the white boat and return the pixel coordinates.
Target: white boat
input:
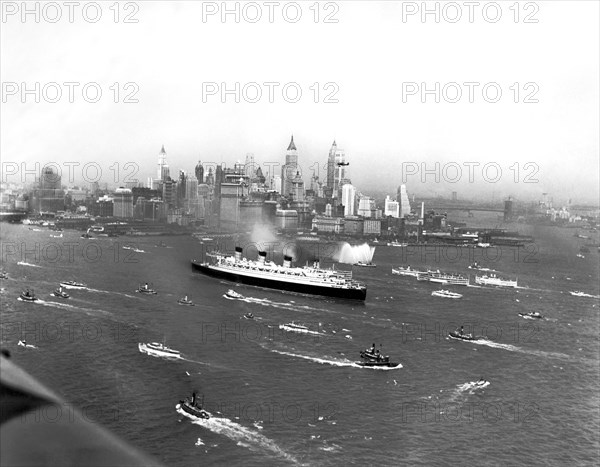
(233, 295)
(365, 264)
(580, 294)
(483, 245)
(293, 327)
(397, 244)
(445, 294)
(494, 280)
(407, 271)
(73, 285)
(477, 266)
(579, 255)
(158, 349)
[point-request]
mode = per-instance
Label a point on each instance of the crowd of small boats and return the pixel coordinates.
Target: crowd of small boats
(28, 294)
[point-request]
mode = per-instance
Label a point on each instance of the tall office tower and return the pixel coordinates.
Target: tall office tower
(331, 166)
(348, 199)
(392, 207)
(288, 171)
(163, 167)
(219, 179)
(297, 188)
(250, 166)
(181, 183)
(210, 177)
(402, 198)
(199, 171)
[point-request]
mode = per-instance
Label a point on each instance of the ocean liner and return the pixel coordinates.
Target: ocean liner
(263, 273)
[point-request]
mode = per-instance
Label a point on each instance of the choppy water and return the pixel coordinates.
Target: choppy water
(281, 398)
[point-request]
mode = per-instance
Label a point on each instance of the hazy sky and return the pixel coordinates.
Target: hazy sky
(372, 54)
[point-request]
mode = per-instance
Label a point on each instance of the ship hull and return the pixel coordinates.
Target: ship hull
(336, 292)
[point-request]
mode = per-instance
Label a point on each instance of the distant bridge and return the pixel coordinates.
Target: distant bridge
(462, 208)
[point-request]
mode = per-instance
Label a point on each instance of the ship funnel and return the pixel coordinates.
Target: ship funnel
(287, 261)
(262, 256)
(316, 263)
(238, 253)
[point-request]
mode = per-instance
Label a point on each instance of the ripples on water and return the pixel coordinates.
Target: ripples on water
(285, 398)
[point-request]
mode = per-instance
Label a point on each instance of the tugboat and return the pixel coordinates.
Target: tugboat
(531, 315)
(146, 290)
(60, 293)
(374, 358)
(3, 275)
(191, 407)
(73, 285)
(233, 295)
(185, 301)
(461, 335)
(249, 316)
(28, 296)
(161, 244)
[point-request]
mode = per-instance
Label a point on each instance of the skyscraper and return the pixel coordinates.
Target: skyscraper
(163, 167)
(402, 198)
(199, 171)
(331, 166)
(289, 170)
(348, 199)
(392, 207)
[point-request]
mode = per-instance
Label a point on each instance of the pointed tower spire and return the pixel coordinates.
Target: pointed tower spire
(292, 146)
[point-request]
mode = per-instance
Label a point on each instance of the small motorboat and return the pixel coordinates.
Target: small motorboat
(28, 296)
(477, 266)
(87, 235)
(459, 334)
(191, 407)
(445, 294)
(233, 295)
(158, 349)
(579, 255)
(73, 285)
(146, 290)
(531, 315)
(249, 316)
(161, 244)
(185, 301)
(364, 264)
(482, 383)
(23, 343)
(60, 293)
(3, 275)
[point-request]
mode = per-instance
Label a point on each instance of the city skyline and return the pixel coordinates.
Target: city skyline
(377, 129)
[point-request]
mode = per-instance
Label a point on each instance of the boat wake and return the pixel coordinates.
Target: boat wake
(291, 305)
(335, 362)
(240, 434)
(471, 386)
(68, 306)
(24, 263)
(514, 348)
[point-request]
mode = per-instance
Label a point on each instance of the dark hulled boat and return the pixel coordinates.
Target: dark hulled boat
(262, 273)
(191, 407)
(462, 336)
